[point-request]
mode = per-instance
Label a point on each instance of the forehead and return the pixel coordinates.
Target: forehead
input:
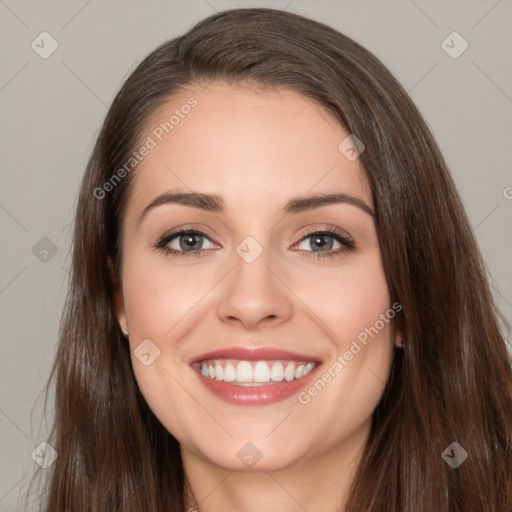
(252, 146)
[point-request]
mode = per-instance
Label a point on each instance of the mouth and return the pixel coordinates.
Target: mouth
(254, 376)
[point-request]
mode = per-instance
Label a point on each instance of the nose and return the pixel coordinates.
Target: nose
(254, 295)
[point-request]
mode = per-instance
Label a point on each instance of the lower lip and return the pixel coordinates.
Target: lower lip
(256, 395)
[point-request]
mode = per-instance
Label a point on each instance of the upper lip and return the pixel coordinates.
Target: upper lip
(253, 354)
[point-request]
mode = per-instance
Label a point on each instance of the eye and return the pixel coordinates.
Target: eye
(326, 242)
(185, 242)
(317, 244)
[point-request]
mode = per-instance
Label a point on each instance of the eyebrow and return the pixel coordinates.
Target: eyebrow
(214, 203)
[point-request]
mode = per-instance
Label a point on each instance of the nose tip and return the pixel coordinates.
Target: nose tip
(250, 321)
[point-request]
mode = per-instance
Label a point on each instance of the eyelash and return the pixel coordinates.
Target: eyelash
(347, 243)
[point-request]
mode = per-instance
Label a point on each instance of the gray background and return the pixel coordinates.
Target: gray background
(52, 110)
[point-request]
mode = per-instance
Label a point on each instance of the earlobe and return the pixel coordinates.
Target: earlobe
(118, 298)
(397, 339)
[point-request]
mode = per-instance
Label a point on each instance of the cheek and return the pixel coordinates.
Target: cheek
(348, 299)
(157, 299)
(353, 307)
(157, 302)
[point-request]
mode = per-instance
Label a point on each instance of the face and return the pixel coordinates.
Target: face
(259, 317)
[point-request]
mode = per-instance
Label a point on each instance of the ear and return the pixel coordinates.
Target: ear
(118, 297)
(398, 339)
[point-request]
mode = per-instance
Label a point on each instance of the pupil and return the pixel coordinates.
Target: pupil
(190, 241)
(319, 242)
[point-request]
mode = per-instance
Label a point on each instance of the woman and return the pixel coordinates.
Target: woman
(276, 301)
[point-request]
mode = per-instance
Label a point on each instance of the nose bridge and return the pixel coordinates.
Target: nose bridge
(253, 293)
(252, 264)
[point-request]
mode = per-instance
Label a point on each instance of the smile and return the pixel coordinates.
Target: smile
(254, 376)
(254, 373)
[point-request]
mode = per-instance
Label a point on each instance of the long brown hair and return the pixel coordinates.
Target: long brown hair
(452, 382)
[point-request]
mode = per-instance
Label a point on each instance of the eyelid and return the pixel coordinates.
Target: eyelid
(163, 241)
(171, 233)
(323, 228)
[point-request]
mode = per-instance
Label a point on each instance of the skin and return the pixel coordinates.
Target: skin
(256, 149)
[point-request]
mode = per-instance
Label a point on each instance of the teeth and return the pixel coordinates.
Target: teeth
(229, 372)
(246, 372)
(219, 372)
(261, 372)
(277, 372)
(289, 373)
